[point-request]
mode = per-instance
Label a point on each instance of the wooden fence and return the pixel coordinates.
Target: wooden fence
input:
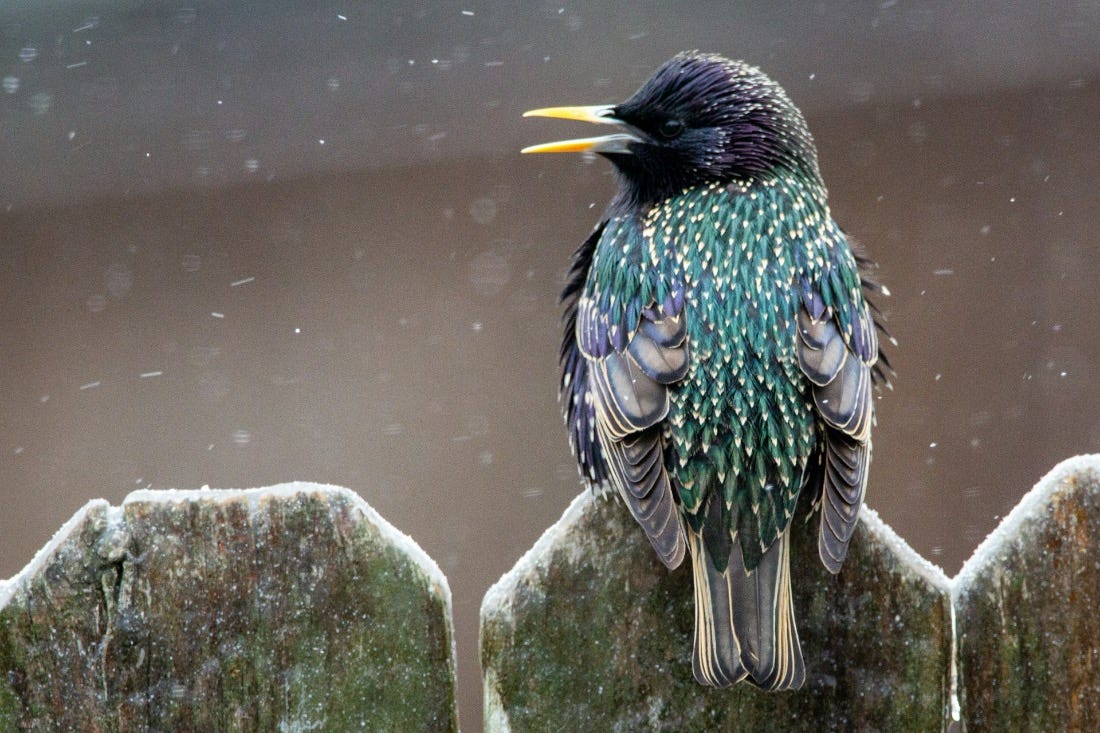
(298, 608)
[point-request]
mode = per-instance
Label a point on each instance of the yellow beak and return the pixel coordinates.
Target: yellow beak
(598, 114)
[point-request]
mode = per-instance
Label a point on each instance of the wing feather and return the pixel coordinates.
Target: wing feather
(629, 389)
(841, 371)
(578, 407)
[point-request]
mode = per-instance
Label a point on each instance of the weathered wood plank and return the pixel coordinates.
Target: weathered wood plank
(590, 632)
(1028, 610)
(290, 608)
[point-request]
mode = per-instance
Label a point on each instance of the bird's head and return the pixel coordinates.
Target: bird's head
(700, 118)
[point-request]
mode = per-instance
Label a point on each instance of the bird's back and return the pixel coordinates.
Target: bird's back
(741, 423)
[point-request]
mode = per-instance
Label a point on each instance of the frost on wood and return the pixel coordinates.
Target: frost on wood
(1027, 614)
(290, 608)
(590, 632)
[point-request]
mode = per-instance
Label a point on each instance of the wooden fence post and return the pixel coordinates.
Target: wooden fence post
(589, 632)
(292, 608)
(299, 608)
(1028, 609)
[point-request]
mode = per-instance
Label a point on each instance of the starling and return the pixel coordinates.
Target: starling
(720, 350)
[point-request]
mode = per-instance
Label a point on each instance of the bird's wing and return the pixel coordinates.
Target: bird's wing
(625, 397)
(580, 410)
(840, 368)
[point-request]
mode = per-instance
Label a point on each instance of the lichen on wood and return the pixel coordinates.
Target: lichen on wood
(1026, 603)
(289, 608)
(590, 632)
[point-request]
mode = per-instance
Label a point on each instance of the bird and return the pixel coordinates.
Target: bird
(721, 350)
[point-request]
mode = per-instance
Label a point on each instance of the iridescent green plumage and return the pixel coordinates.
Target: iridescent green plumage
(743, 419)
(719, 351)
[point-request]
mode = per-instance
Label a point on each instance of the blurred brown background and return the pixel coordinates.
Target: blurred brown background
(243, 243)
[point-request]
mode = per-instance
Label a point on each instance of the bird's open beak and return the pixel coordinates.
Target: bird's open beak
(600, 114)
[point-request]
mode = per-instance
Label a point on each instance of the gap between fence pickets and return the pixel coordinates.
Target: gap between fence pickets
(953, 675)
(985, 554)
(496, 598)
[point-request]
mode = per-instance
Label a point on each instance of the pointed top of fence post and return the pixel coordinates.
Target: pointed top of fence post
(295, 607)
(1026, 607)
(590, 632)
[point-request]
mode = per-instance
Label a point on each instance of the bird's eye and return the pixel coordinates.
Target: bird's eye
(671, 128)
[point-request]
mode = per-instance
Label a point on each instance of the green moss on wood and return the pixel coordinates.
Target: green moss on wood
(243, 612)
(595, 634)
(1027, 611)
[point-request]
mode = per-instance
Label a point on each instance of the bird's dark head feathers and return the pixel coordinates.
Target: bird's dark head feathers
(703, 118)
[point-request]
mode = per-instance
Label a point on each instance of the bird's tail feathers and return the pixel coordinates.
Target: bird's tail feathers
(716, 655)
(744, 620)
